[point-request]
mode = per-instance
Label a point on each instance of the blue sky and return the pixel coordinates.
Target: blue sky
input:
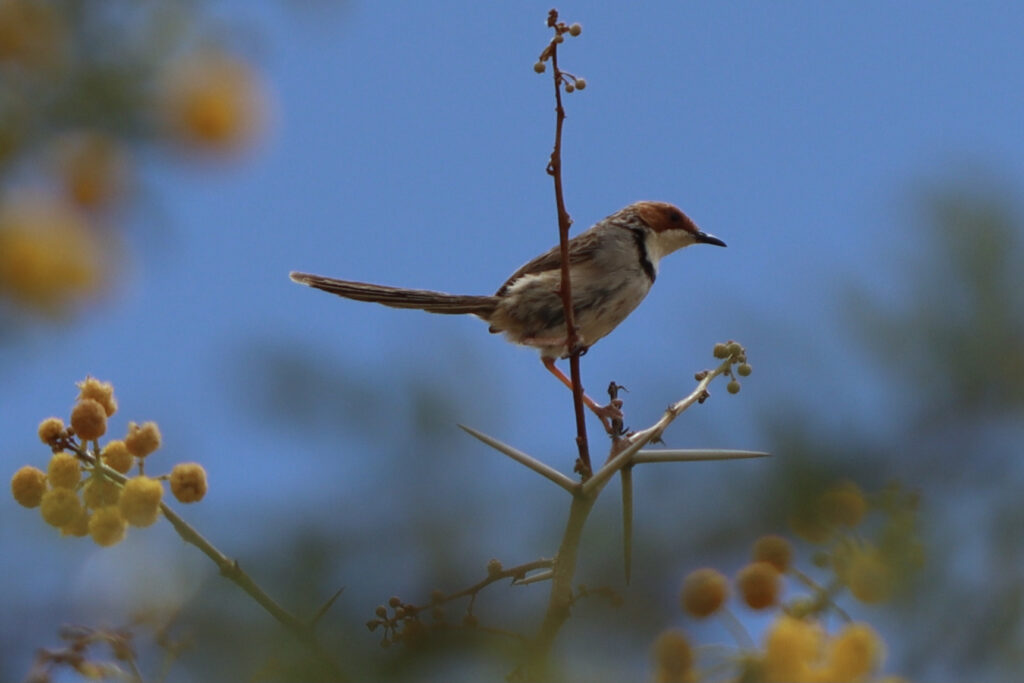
(408, 145)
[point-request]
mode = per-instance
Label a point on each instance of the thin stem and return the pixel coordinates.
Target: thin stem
(564, 221)
(642, 438)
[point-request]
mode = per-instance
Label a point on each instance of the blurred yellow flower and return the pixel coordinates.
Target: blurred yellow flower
(854, 653)
(211, 100)
(50, 259)
(31, 33)
(91, 167)
(792, 648)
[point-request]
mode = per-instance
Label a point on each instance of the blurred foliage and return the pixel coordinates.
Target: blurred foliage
(86, 88)
(948, 349)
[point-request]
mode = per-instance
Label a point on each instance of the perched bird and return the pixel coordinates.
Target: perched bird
(612, 267)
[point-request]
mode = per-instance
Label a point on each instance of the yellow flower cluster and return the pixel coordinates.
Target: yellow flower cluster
(799, 651)
(55, 254)
(104, 504)
(867, 559)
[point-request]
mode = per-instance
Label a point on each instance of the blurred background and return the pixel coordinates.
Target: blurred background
(164, 165)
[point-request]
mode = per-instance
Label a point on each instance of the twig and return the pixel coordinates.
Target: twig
(554, 169)
(640, 439)
(228, 567)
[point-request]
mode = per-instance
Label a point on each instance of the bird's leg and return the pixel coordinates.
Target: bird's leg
(604, 413)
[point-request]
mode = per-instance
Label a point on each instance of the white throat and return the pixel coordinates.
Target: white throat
(661, 244)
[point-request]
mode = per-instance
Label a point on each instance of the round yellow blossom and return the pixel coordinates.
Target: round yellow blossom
(140, 501)
(868, 576)
(101, 392)
(188, 484)
(79, 526)
(64, 471)
(31, 33)
(50, 259)
(89, 419)
(673, 658)
(107, 526)
(28, 485)
(51, 429)
(92, 168)
(704, 592)
(116, 456)
(806, 524)
(100, 492)
(775, 550)
(211, 100)
(141, 441)
(854, 654)
(59, 507)
(759, 584)
(843, 505)
(792, 647)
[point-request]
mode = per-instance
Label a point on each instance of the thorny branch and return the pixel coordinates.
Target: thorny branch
(229, 568)
(403, 622)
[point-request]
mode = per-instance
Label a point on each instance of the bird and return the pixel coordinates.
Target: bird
(612, 266)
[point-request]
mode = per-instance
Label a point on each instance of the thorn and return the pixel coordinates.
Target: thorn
(326, 606)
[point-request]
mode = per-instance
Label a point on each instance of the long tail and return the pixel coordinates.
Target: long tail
(396, 297)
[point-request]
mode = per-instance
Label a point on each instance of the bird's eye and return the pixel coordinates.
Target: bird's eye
(675, 216)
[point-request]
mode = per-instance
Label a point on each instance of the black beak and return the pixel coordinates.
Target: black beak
(704, 238)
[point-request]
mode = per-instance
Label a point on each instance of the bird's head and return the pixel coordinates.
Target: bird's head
(669, 229)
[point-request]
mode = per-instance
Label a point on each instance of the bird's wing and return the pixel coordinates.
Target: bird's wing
(579, 250)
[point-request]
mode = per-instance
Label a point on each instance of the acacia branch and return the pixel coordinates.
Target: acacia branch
(229, 568)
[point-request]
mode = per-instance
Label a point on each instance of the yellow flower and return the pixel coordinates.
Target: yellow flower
(50, 259)
(60, 507)
(79, 526)
(101, 392)
(31, 33)
(864, 570)
(141, 441)
(92, 168)
(854, 653)
(140, 501)
(107, 526)
(704, 592)
(100, 492)
(117, 457)
(775, 550)
(211, 100)
(89, 419)
(673, 658)
(792, 647)
(28, 485)
(188, 482)
(51, 429)
(843, 504)
(759, 584)
(64, 471)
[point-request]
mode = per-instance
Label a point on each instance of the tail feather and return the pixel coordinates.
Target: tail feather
(396, 297)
